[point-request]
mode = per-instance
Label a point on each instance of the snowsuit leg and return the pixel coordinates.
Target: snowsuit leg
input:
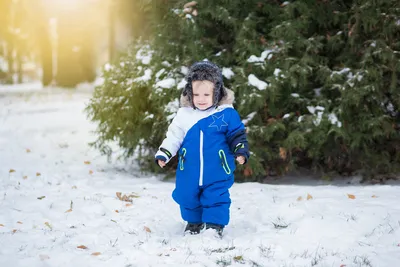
(186, 194)
(216, 202)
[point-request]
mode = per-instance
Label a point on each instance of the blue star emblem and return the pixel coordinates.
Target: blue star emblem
(218, 122)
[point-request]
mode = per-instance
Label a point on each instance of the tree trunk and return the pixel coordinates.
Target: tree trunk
(46, 54)
(111, 32)
(10, 60)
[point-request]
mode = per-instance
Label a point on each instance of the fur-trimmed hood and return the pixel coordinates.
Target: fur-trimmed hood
(228, 99)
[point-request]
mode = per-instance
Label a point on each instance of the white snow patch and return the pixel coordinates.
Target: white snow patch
(254, 81)
(249, 118)
(166, 83)
(146, 77)
(144, 55)
(159, 73)
(108, 67)
(184, 70)
(181, 84)
(227, 72)
(266, 54)
(334, 120)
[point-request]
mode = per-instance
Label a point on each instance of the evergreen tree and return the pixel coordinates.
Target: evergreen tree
(315, 81)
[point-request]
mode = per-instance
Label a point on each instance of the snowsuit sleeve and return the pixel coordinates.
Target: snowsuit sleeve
(172, 142)
(236, 136)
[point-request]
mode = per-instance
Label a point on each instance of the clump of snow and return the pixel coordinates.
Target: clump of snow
(181, 84)
(166, 64)
(108, 67)
(334, 120)
(227, 72)
(184, 70)
(249, 118)
(296, 95)
(277, 73)
(166, 83)
(171, 108)
(144, 55)
(254, 81)
(159, 73)
(146, 77)
(266, 54)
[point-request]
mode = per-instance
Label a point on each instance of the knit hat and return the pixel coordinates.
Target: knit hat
(205, 71)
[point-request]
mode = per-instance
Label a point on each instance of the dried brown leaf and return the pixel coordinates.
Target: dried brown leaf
(299, 198)
(68, 210)
(82, 247)
(147, 229)
(128, 205)
(11, 171)
(25, 177)
(351, 196)
(1, 225)
(28, 150)
(309, 197)
(116, 211)
(19, 222)
(48, 225)
(87, 162)
(96, 253)
(373, 196)
(238, 258)
(90, 172)
(119, 195)
(14, 231)
(38, 174)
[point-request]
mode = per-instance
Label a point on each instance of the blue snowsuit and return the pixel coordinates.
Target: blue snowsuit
(207, 143)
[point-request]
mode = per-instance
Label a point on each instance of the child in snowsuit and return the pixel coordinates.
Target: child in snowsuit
(208, 135)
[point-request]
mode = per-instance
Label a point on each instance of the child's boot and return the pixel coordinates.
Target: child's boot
(194, 228)
(217, 227)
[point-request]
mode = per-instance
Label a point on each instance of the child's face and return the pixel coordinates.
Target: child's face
(203, 94)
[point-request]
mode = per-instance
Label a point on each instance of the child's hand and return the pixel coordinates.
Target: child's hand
(241, 160)
(161, 163)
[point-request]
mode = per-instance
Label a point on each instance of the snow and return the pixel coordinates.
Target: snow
(181, 84)
(146, 77)
(58, 194)
(254, 81)
(19, 88)
(249, 118)
(166, 83)
(159, 73)
(228, 73)
(277, 73)
(144, 55)
(334, 120)
(108, 67)
(266, 54)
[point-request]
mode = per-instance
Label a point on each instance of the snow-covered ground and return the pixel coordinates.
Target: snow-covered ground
(59, 205)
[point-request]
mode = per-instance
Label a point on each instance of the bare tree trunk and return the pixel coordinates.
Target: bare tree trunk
(46, 54)
(18, 59)
(111, 31)
(10, 60)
